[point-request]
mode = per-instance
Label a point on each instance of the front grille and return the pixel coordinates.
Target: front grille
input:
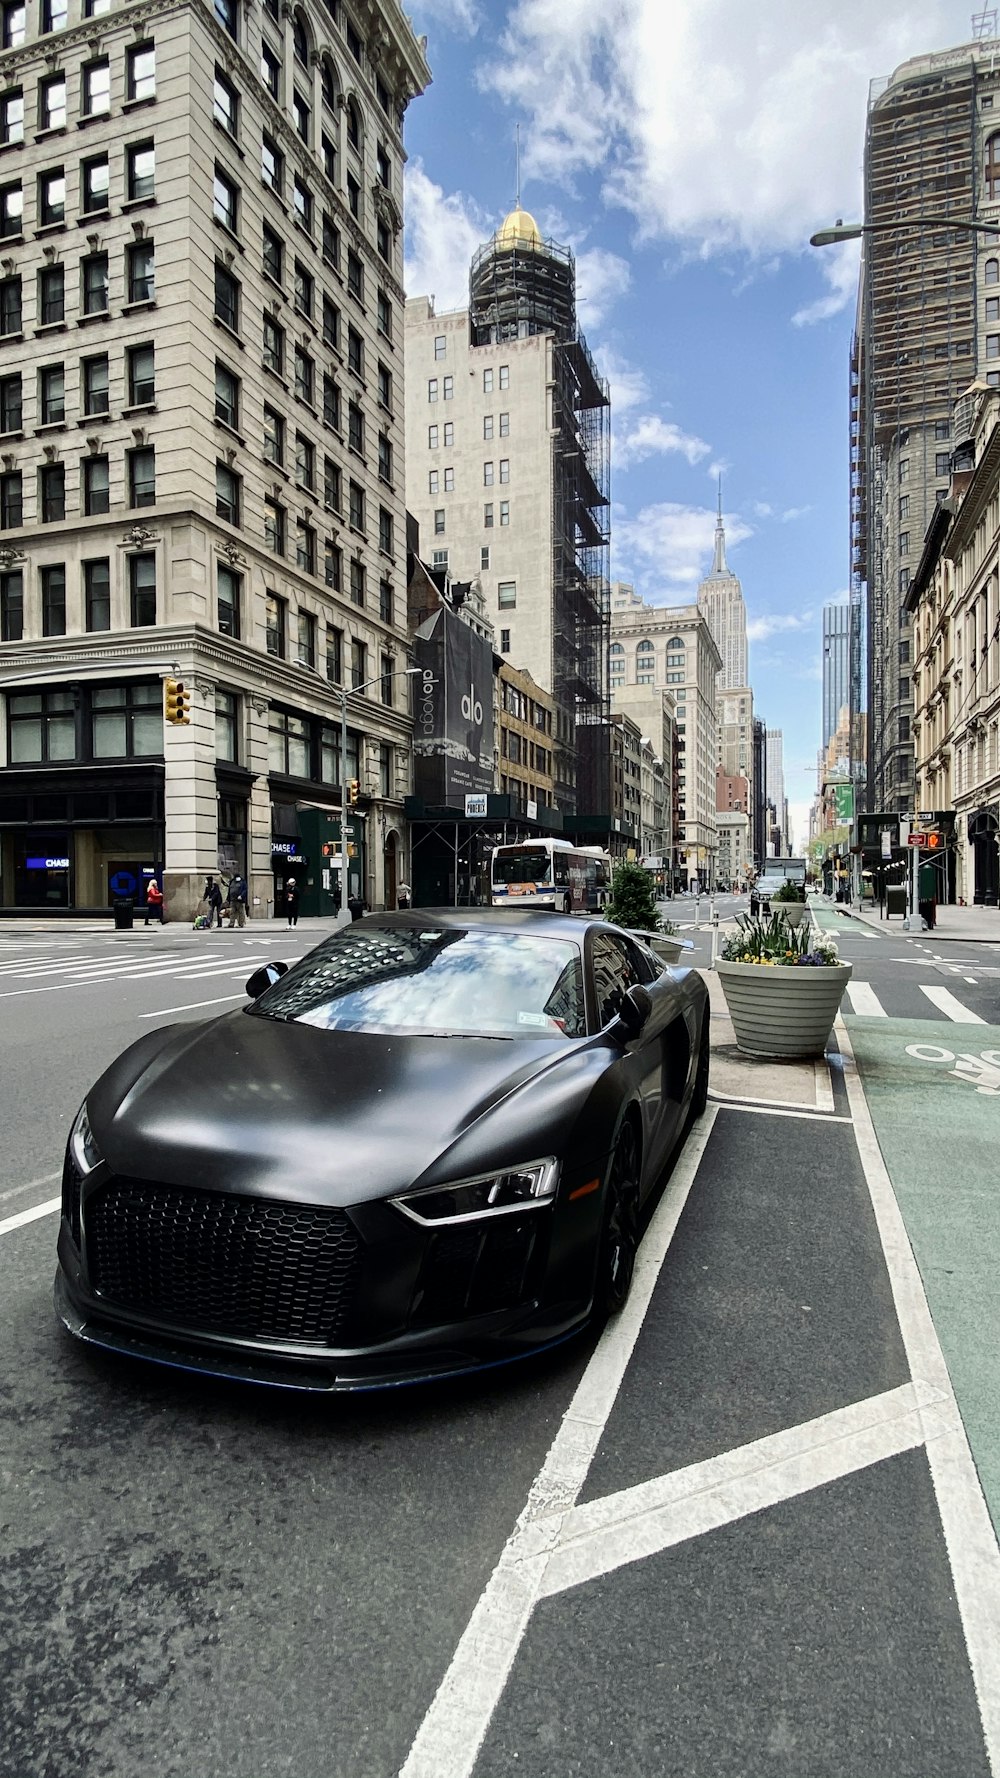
(475, 1267)
(213, 1263)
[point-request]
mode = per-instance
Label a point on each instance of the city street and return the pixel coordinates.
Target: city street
(749, 1532)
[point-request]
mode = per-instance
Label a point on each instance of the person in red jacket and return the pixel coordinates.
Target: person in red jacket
(154, 901)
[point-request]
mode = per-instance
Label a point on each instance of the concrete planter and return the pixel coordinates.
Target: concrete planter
(783, 1009)
(667, 948)
(792, 912)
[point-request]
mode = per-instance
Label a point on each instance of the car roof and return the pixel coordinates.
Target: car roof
(541, 920)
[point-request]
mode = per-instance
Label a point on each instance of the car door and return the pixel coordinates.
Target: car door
(616, 966)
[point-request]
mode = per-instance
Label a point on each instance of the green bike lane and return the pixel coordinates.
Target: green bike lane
(933, 1091)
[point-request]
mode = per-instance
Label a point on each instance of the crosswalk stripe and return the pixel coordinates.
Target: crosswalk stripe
(864, 1001)
(945, 1002)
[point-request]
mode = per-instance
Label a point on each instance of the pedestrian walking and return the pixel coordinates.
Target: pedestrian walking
(292, 901)
(754, 904)
(213, 901)
(403, 896)
(236, 901)
(154, 902)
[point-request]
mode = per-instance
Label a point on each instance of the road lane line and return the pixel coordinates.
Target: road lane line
(604, 1535)
(163, 1012)
(945, 1002)
(817, 1117)
(32, 1215)
(30, 1185)
(965, 1519)
(448, 1741)
(865, 1003)
(972, 980)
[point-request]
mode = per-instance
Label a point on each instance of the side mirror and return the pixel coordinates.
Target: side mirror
(264, 978)
(635, 1009)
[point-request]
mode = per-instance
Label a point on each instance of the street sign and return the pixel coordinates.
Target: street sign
(915, 839)
(475, 806)
(926, 816)
(843, 802)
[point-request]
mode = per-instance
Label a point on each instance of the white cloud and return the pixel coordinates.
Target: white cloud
(791, 513)
(650, 436)
(601, 278)
(840, 269)
(719, 126)
(760, 628)
(629, 384)
(762, 510)
(442, 234)
(458, 15)
(666, 548)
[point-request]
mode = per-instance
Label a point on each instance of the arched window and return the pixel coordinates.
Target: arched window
(645, 647)
(991, 271)
(676, 642)
(300, 39)
(616, 648)
(329, 83)
(991, 167)
(353, 125)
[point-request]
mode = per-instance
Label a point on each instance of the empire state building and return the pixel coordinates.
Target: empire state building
(720, 599)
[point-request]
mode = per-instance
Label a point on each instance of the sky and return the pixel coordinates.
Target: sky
(686, 150)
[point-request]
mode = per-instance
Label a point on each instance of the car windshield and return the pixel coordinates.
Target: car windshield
(521, 867)
(426, 981)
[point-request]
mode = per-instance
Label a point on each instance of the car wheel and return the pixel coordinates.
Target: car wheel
(567, 904)
(620, 1228)
(699, 1098)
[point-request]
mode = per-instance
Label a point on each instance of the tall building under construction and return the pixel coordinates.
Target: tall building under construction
(928, 323)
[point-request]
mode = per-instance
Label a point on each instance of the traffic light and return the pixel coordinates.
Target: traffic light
(353, 789)
(177, 701)
(931, 840)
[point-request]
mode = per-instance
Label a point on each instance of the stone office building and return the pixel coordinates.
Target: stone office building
(201, 438)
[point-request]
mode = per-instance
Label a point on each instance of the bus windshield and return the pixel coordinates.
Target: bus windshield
(521, 866)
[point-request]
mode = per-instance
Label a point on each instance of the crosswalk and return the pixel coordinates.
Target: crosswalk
(862, 1000)
(40, 966)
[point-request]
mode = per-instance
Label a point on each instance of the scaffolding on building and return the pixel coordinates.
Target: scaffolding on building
(521, 285)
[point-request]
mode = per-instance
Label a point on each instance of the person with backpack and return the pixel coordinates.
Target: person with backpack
(236, 901)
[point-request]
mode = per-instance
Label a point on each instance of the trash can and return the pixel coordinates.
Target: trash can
(124, 907)
(895, 900)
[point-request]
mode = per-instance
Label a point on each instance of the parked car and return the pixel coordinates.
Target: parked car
(423, 1148)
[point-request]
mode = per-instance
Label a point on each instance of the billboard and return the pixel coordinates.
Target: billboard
(843, 803)
(453, 715)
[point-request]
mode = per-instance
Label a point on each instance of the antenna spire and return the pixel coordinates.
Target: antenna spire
(719, 564)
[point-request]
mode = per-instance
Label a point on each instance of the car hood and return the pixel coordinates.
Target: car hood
(285, 1110)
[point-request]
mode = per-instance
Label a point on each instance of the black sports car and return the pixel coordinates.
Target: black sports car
(421, 1150)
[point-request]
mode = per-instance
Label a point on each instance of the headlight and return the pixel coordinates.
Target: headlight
(490, 1194)
(82, 1146)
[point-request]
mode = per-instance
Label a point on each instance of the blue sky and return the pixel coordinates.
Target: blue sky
(685, 150)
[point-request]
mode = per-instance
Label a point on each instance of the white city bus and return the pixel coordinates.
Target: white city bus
(550, 874)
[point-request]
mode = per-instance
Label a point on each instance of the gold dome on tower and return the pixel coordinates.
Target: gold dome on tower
(519, 229)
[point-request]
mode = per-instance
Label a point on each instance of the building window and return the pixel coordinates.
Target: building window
(904, 506)
(126, 721)
(227, 396)
(142, 590)
(383, 311)
(304, 372)
(449, 481)
(141, 369)
(273, 254)
(96, 486)
(11, 503)
(306, 654)
(505, 376)
(226, 725)
(94, 281)
(487, 475)
(272, 165)
(488, 515)
(225, 103)
(487, 382)
(97, 593)
(993, 345)
(140, 172)
(448, 388)
(942, 463)
(439, 559)
(331, 325)
(42, 727)
(12, 116)
(992, 168)
(991, 272)
(10, 307)
(303, 293)
(385, 601)
(387, 667)
(505, 512)
(385, 458)
(275, 619)
(227, 298)
(355, 353)
(487, 425)
(356, 506)
(274, 526)
(333, 566)
(10, 403)
(302, 204)
(355, 428)
(904, 543)
(95, 88)
(94, 185)
(305, 547)
(334, 654)
(385, 387)
(94, 372)
(274, 437)
(140, 264)
(439, 521)
(225, 200)
(359, 665)
(140, 77)
(333, 485)
(358, 582)
(54, 15)
(229, 586)
(305, 462)
(227, 494)
(331, 404)
(331, 241)
(432, 382)
(355, 277)
(273, 357)
(51, 295)
(270, 72)
(226, 13)
(52, 395)
(303, 117)
(433, 481)
(484, 559)
(52, 103)
(141, 476)
(288, 744)
(385, 531)
(51, 198)
(54, 600)
(504, 641)
(507, 594)
(52, 493)
(504, 425)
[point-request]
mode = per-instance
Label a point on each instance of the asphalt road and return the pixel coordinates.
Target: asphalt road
(198, 1578)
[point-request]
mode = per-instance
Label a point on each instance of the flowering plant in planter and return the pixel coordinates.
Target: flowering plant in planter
(782, 987)
(790, 892)
(773, 941)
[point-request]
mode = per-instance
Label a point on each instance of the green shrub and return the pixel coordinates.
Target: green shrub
(633, 899)
(790, 892)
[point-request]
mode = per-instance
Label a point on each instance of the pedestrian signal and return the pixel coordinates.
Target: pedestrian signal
(932, 841)
(177, 701)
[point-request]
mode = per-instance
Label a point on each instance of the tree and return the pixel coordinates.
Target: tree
(633, 900)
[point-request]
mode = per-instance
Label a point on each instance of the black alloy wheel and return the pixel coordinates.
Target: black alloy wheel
(567, 904)
(620, 1230)
(699, 1098)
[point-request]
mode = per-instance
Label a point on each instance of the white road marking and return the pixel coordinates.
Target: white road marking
(30, 1185)
(627, 1527)
(865, 1003)
(968, 1529)
(449, 1738)
(972, 980)
(817, 1117)
(163, 1012)
(32, 1215)
(945, 1002)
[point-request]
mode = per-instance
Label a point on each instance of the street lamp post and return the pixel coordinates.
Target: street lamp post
(343, 915)
(855, 231)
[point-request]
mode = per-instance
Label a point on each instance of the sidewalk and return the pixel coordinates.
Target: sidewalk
(969, 926)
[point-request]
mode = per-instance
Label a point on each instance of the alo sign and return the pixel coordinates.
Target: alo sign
(453, 730)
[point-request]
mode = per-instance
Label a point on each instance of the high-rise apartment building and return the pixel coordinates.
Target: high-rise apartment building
(201, 434)
(774, 780)
(836, 666)
(508, 458)
(720, 599)
(671, 646)
(928, 321)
